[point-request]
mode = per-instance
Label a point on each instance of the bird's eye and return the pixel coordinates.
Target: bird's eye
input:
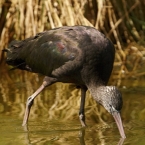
(113, 109)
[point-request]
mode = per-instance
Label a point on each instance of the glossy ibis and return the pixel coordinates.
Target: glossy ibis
(80, 55)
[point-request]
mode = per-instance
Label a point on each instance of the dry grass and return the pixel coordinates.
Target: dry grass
(122, 21)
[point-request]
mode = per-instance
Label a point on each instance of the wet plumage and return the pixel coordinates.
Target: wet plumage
(80, 55)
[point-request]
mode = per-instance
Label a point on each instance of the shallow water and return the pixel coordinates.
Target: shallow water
(54, 115)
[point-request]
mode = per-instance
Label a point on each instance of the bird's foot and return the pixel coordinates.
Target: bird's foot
(29, 103)
(25, 127)
(82, 120)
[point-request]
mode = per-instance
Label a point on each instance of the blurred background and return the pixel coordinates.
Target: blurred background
(56, 109)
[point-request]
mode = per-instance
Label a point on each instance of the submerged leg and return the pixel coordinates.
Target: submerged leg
(82, 105)
(46, 82)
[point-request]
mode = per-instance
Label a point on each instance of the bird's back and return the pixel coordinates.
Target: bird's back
(78, 53)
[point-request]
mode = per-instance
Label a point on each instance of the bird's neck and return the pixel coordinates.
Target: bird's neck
(97, 90)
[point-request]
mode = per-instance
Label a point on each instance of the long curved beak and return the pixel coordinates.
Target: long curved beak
(118, 121)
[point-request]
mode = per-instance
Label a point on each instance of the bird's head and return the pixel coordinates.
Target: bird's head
(110, 97)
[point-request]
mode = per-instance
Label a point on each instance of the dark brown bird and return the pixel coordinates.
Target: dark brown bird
(80, 55)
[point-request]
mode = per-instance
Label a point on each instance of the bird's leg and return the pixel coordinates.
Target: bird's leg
(46, 82)
(82, 105)
(29, 104)
(82, 136)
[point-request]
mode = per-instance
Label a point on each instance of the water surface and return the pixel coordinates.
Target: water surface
(54, 115)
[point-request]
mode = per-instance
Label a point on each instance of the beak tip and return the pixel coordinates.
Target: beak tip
(118, 121)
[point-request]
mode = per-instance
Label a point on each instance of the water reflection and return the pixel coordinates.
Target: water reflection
(80, 138)
(54, 115)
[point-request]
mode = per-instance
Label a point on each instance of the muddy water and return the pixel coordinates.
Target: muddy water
(54, 115)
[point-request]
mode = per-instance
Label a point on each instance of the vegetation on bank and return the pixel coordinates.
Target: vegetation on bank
(122, 21)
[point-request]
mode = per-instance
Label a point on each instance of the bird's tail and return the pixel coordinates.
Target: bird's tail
(12, 57)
